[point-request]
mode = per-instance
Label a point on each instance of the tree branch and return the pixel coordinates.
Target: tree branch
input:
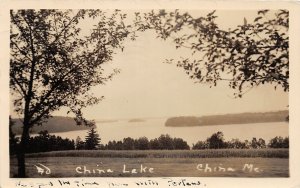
(22, 92)
(21, 51)
(66, 26)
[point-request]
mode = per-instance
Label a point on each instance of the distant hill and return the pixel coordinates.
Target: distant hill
(242, 118)
(53, 125)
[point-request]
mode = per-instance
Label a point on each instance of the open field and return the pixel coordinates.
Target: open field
(212, 153)
(162, 167)
(158, 163)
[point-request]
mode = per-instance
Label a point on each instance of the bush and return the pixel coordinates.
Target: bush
(45, 142)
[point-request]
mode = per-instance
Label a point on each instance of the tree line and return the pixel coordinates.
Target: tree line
(217, 141)
(42, 143)
(164, 142)
(45, 142)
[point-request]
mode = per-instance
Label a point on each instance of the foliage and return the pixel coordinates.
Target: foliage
(201, 145)
(128, 143)
(258, 143)
(45, 142)
(252, 54)
(118, 145)
(279, 142)
(179, 143)
(111, 145)
(154, 144)
(236, 144)
(92, 140)
(164, 142)
(216, 141)
(79, 144)
(53, 65)
(141, 143)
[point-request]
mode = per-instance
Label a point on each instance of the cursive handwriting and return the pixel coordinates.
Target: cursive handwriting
(102, 183)
(184, 183)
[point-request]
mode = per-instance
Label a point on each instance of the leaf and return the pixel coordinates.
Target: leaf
(14, 35)
(263, 11)
(211, 13)
(258, 18)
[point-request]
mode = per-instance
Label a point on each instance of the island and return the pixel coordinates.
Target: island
(241, 118)
(136, 120)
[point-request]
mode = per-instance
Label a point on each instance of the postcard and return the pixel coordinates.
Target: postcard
(149, 94)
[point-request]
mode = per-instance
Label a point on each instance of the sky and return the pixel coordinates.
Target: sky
(146, 87)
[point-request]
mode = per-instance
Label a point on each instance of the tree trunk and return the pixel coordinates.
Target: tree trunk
(21, 165)
(26, 120)
(22, 150)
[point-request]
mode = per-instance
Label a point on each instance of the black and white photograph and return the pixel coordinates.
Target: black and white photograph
(149, 93)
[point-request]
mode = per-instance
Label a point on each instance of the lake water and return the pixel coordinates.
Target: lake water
(153, 128)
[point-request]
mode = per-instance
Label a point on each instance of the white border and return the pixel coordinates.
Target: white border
(294, 100)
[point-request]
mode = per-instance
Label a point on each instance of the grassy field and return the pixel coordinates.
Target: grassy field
(209, 163)
(212, 153)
